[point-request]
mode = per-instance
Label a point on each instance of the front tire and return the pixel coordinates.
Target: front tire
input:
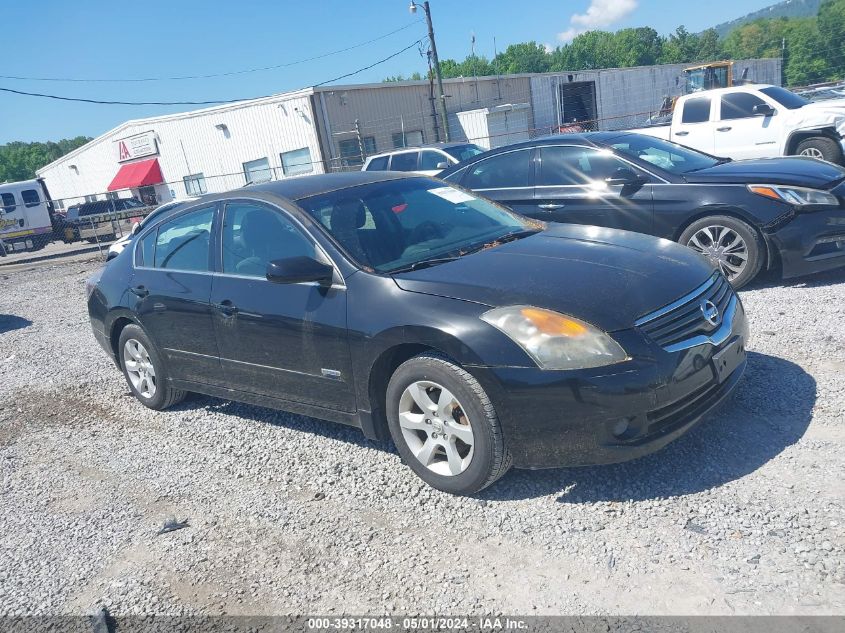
(445, 426)
(735, 247)
(820, 147)
(144, 371)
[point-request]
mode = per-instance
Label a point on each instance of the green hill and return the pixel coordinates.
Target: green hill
(785, 9)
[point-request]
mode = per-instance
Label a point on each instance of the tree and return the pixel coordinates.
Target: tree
(709, 48)
(806, 60)
(529, 57)
(588, 51)
(637, 47)
(414, 77)
(815, 49)
(18, 160)
(831, 27)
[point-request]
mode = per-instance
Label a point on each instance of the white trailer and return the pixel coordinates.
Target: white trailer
(25, 223)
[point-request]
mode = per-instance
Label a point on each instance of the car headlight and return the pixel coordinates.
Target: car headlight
(556, 341)
(797, 196)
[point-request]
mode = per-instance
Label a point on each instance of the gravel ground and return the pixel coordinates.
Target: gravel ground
(292, 515)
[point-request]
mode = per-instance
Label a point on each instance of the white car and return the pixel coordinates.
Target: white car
(428, 160)
(756, 121)
(117, 247)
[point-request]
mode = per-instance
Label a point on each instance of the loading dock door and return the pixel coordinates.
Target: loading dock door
(578, 103)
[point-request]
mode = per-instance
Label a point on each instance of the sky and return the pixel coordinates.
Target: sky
(104, 39)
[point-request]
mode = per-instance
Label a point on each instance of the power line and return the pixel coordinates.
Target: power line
(211, 102)
(214, 75)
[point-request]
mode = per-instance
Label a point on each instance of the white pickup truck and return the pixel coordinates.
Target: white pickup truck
(756, 121)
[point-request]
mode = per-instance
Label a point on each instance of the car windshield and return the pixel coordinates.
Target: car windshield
(463, 152)
(784, 97)
(400, 224)
(671, 157)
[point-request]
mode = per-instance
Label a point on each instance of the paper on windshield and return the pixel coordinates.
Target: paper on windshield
(455, 196)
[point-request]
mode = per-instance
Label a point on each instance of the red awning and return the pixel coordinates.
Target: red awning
(140, 174)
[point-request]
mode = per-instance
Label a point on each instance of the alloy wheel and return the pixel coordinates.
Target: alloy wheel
(436, 428)
(139, 368)
(723, 246)
(813, 152)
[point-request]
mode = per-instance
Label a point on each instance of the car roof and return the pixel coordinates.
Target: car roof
(399, 150)
(306, 186)
(581, 138)
(740, 88)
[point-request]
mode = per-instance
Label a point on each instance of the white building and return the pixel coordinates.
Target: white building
(327, 128)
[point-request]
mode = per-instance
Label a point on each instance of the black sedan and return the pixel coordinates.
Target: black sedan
(472, 336)
(785, 213)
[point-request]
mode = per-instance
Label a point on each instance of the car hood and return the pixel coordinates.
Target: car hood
(819, 114)
(798, 171)
(606, 277)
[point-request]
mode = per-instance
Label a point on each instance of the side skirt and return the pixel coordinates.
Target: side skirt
(361, 419)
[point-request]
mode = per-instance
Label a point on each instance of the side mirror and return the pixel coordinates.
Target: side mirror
(626, 177)
(135, 228)
(442, 165)
(763, 109)
(294, 270)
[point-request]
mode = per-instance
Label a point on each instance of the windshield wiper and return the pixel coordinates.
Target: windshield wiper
(424, 263)
(507, 237)
(720, 161)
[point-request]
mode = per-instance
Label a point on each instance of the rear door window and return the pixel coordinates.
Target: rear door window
(511, 169)
(406, 161)
(184, 242)
(30, 198)
(696, 110)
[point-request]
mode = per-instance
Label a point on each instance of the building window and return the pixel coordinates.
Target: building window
(195, 184)
(256, 171)
(296, 162)
(8, 200)
(350, 151)
(30, 198)
(414, 138)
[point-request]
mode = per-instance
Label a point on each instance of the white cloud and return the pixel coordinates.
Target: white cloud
(600, 13)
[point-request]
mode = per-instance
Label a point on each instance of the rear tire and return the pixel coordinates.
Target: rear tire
(820, 147)
(445, 426)
(144, 371)
(735, 247)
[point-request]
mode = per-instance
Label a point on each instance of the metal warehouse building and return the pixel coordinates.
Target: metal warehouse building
(322, 129)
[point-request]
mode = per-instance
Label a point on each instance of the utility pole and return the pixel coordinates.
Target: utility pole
(442, 98)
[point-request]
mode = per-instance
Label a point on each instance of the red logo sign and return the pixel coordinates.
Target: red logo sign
(123, 151)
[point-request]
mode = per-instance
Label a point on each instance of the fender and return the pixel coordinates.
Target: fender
(796, 136)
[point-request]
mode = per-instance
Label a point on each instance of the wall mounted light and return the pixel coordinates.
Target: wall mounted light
(223, 128)
(74, 169)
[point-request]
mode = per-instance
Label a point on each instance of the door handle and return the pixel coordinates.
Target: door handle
(227, 308)
(550, 206)
(139, 291)
(724, 129)
(681, 133)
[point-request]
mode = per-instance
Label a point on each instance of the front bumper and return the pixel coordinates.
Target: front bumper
(812, 242)
(553, 419)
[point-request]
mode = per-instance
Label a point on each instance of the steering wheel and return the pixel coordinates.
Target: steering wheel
(425, 231)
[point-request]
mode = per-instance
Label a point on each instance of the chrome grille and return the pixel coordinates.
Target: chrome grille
(683, 323)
